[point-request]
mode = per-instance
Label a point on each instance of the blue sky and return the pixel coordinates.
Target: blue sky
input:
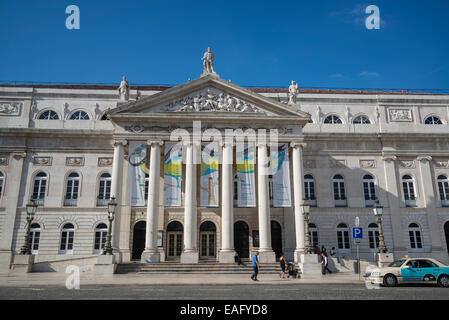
(256, 43)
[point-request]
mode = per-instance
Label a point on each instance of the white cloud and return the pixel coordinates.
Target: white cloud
(369, 74)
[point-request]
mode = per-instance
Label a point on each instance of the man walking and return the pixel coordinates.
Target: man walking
(255, 265)
(324, 263)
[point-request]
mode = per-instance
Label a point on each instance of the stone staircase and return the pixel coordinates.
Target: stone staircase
(212, 267)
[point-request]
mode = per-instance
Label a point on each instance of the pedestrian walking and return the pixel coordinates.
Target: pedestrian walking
(323, 250)
(283, 264)
(237, 259)
(324, 263)
(255, 266)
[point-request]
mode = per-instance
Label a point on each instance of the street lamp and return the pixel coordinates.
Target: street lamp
(111, 212)
(31, 211)
(378, 211)
(306, 209)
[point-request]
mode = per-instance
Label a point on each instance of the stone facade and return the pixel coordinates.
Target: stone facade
(395, 143)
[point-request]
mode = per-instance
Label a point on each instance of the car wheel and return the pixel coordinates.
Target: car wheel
(443, 281)
(390, 280)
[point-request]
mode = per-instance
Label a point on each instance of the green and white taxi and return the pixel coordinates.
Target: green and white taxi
(410, 270)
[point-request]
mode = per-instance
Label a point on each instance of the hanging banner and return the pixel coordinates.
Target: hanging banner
(173, 175)
(281, 176)
(136, 173)
(246, 186)
(209, 176)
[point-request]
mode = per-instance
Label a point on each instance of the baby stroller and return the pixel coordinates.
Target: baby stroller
(292, 271)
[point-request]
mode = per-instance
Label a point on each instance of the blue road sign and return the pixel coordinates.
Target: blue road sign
(357, 233)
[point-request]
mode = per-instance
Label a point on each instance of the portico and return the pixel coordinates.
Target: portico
(209, 111)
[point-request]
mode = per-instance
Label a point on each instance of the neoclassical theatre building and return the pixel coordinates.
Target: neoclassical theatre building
(73, 147)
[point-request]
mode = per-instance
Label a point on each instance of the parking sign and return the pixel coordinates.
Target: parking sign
(357, 233)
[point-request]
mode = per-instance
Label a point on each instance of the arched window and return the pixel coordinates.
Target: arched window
(369, 190)
(432, 120)
(104, 117)
(414, 232)
(339, 191)
(39, 187)
(49, 115)
(409, 191)
(72, 190)
(101, 232)
(313, 234)
(104, 190)
(67, 234)
(361, 120)
(35, 234)
(343, 237)
(309, 189)
(332, 119)
(79, 115)
(2, 180)
(373, 236)
(443, 187)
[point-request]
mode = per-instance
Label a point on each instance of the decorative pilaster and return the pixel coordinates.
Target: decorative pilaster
(190, 252)
(430, 199)
(227, 205)
(151, 254)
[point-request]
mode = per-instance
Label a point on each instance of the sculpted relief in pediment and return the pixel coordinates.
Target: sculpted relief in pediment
(210, 99)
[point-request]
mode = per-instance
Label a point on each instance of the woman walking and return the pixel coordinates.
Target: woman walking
(283, 263)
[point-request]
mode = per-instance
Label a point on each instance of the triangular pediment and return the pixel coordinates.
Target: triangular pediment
(205, 96)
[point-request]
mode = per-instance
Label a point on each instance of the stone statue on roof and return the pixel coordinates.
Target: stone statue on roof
(123, 90)
(208, 62)
(292, 92)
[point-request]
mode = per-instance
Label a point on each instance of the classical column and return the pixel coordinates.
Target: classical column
(116, 191)
(430, 199)
(151, 254)
(227, 205)
(266, 254)
(392, 187)
(10, 202)
(190, 252)
(298, 195)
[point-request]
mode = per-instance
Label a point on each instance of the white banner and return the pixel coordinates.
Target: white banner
(136, 173)
(173, 175)
(209, 176)
(246, 186)
(281, 176)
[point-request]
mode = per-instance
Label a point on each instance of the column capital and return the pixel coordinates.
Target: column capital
(19, 155)
(151, 142)
(389, 158)
(227, 144)
(423, 159)
(296, 144)
(120, 141)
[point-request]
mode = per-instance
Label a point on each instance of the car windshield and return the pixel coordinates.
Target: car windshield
(397, 263)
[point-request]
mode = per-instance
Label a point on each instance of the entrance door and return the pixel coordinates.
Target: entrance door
(207, 240)
(174, 240)
(241, 239)
(446, 232)
(276, 238)
(174, 244)
(138, 239)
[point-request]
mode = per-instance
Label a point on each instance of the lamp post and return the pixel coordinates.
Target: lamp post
(111, 212)
(378, 211)
(31, 211)
(306, 209)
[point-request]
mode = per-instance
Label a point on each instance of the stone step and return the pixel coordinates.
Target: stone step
(213, 268)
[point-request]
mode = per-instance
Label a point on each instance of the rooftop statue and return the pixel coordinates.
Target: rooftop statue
(123, 90)
(292, 92)
(208, 62)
